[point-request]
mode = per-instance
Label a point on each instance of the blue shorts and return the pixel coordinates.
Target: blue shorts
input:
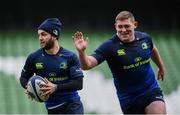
(69, 107)
(138, 105)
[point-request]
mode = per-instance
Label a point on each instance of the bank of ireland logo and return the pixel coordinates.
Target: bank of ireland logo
(121, 52)
(52, 74)
(39, 66)
(63, 65)
(144, 45)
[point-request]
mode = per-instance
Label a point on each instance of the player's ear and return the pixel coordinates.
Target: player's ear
(135, 24)
(55, 38)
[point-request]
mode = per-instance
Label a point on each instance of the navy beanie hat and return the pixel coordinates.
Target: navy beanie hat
(52, 26)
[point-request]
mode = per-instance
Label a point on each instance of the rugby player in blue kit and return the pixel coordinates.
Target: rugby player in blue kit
(60, 68)
(128, 55)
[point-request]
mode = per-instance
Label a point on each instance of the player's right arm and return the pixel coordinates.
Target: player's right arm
(87, 62)
(26, 72)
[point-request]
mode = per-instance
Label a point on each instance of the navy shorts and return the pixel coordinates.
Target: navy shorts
(138, 105)
(70, 107)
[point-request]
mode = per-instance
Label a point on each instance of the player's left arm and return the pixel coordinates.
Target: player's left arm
(75, 84)
(159, 62)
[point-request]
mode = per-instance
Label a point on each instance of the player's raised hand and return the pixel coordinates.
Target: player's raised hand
(79, 41)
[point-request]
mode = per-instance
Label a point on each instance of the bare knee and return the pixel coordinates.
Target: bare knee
(156, 107)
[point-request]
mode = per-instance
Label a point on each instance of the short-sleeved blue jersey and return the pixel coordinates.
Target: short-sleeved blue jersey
(129, 64)
(59, 68)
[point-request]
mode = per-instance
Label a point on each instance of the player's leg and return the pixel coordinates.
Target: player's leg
(69, 107)
(60, 109)
(156, 107)
(156, 103)
(133, 106)
(75, 107)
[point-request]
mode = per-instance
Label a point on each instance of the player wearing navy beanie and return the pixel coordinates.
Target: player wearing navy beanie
(59, 66)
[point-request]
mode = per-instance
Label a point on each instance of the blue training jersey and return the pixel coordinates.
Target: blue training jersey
(59, 68)
(129, 64)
